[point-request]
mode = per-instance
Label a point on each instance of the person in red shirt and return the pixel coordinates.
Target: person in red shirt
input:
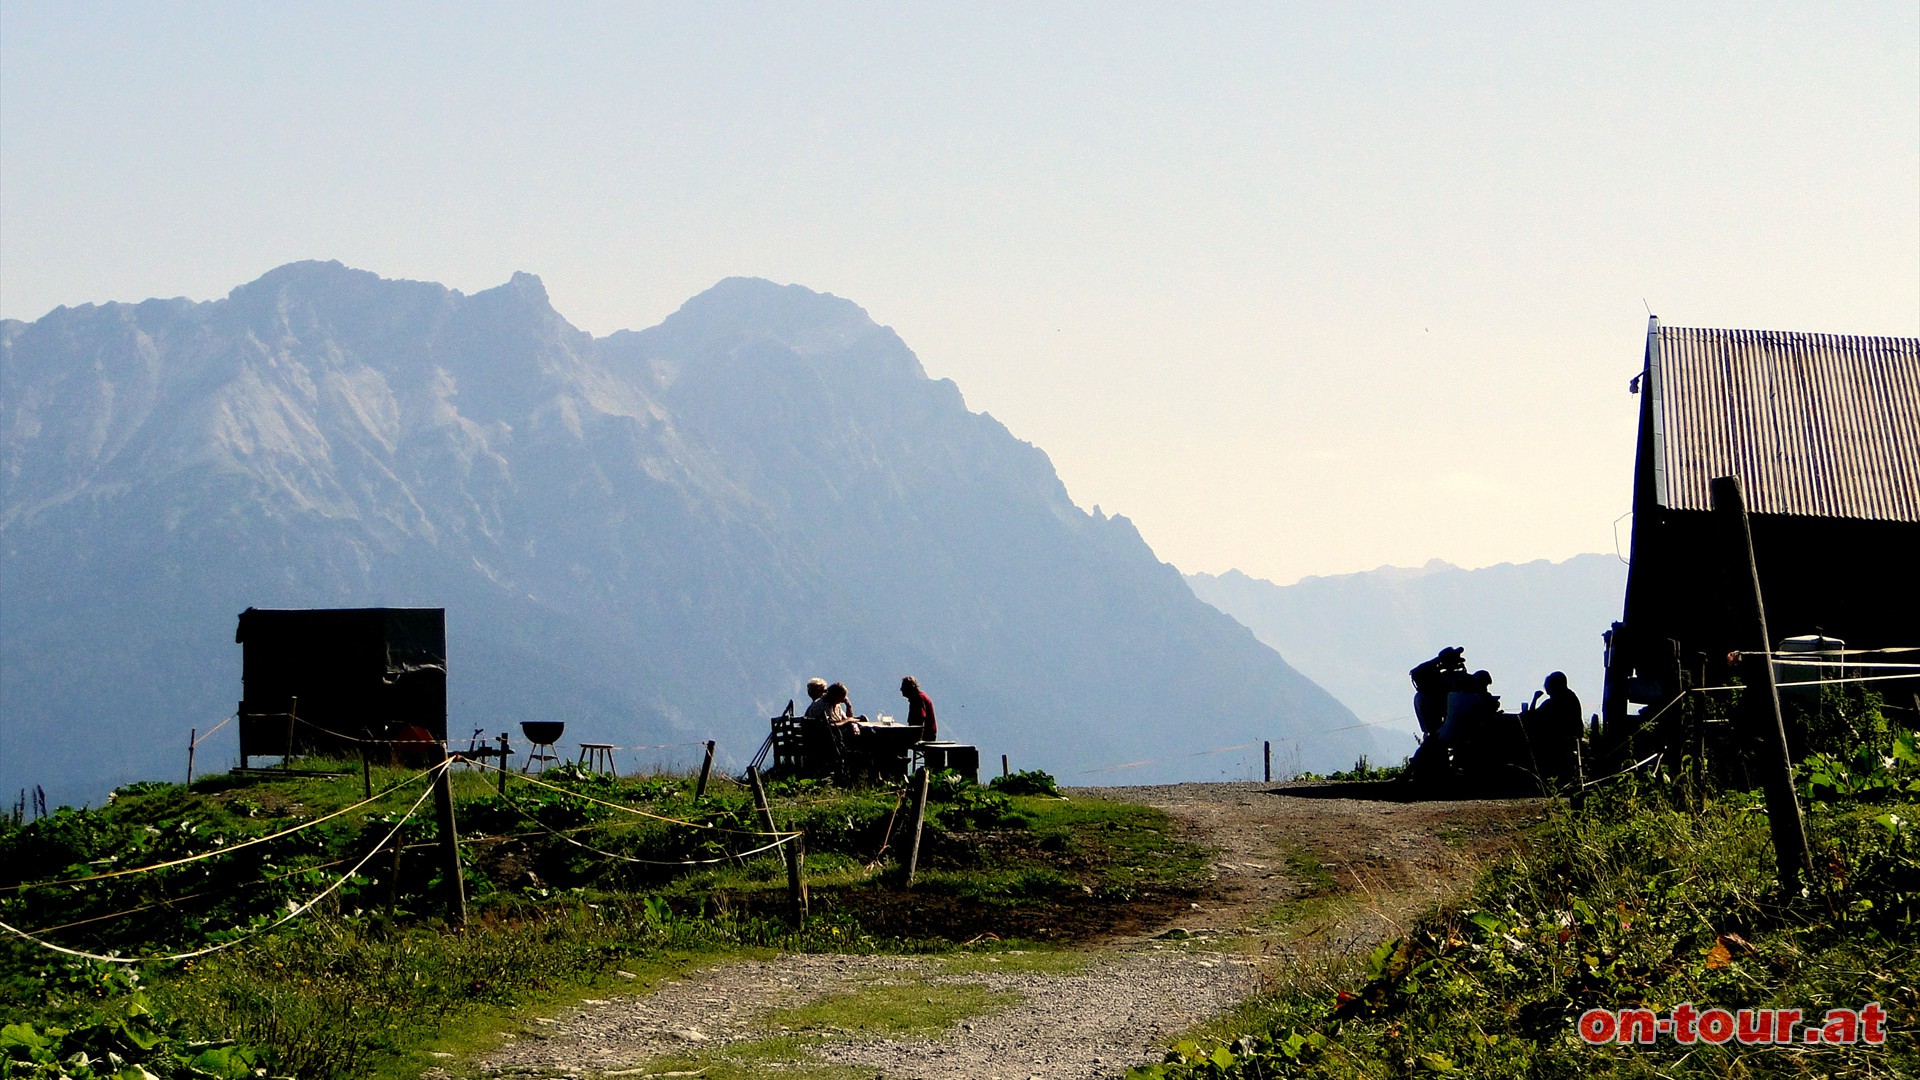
(919, 709)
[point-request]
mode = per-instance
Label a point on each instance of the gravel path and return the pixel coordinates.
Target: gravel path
(1389, 859)
(1087, 1025)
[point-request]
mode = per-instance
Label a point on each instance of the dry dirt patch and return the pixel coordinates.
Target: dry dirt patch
(1368, 865)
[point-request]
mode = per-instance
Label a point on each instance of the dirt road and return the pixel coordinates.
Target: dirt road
(1295, 880)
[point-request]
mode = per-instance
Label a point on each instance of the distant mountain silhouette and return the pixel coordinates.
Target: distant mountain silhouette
(1359, 634)
(655, 536)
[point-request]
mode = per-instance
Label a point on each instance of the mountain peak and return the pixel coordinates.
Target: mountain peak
(794, 315)
(306, 274)
(328, 287)
(529, 286)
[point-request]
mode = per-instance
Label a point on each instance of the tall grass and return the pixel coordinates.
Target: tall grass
(1642, 898)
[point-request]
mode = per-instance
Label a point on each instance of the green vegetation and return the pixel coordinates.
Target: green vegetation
(1654, 893)
(752, 1060)
(1310, 872)
(1016, 961)
(882, 1009)
(1069, 850)
(1363, 770)
(120, 1039)
(566, 896)
(888, 1009)
(1025, 782)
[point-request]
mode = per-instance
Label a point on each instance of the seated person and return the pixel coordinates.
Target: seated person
(919, 709)
(1554, 727)
(838, 724)
(1470, 709)
(816, 699)
(816, 731)
(837, 710)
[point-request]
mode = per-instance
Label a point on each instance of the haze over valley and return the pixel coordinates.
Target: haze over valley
(1358, 634)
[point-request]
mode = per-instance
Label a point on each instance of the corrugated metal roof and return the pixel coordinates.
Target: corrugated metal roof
(1823, 425)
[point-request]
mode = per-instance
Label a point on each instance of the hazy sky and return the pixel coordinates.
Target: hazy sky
(1301, 290)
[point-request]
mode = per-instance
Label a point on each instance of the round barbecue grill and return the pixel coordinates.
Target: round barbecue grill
(543, 732)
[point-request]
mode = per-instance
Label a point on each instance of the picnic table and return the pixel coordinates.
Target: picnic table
(880, 748)
(876, 750)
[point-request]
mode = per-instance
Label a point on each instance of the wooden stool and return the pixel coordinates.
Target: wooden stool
(597, 757)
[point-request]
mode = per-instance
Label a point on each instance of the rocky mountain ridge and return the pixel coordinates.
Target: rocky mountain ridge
(654, 535)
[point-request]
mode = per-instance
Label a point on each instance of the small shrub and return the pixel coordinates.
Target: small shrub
(1364, 770)
(949, 786)
(1026, 782)
(975, 807)
(119, 1040)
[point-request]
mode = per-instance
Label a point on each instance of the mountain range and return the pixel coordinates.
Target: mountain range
(1358, 635)
(655, 536)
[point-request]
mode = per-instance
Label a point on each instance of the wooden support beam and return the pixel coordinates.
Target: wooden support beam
(706, 770)
(791, 850)
(1776, 772)
(456, 885)
(922, 779)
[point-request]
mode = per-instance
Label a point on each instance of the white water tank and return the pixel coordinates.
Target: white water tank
(1825, 658)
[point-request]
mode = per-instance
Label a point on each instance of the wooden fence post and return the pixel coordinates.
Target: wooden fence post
(796, 884)
(293, 710)
(1003, 766)
(1266, 752)
(921, 780)
(796, 850)
(449, 839)
(1783, 804)
(706, 769)
(193, 739)
(393, 871)
(502, 775)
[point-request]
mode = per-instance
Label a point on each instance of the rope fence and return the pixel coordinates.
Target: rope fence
(362, 740)
(225, 850)
(778, 839)
(1846, 652)
(564, 838)
(1652, 759)
(1783, 662)
(292, 913)
(205, 735)
(1810, 682)
(624, 808)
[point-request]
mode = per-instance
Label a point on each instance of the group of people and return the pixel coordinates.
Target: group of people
(847, 746)
(828, 704)
(1457, 709)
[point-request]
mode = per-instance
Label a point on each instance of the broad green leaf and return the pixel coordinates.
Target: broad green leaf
(21, 1035)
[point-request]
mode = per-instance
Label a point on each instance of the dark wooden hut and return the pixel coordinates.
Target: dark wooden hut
(1823, 431)
(320, 680)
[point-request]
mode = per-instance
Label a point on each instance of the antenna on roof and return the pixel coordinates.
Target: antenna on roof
(1649, 307)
